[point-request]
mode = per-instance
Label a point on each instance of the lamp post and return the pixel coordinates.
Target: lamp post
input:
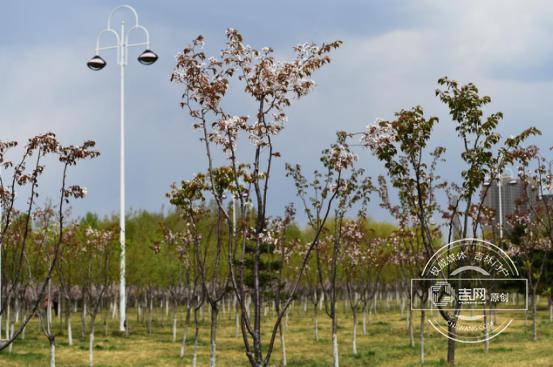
(147, 57)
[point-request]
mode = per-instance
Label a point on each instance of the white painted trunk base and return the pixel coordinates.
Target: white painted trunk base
(335, 353)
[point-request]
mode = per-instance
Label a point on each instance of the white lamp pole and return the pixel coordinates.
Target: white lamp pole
(499, 191)
(97, 63)
(1, 248)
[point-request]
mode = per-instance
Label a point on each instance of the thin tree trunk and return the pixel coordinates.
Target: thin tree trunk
(283, 361)
(17, 307)
(550, 310)
(185, 332)
(335, 354)
(174, 328)
(364, 320)
(114, 310)
(150, 312)
(354, 337)
(83, 319)
(316, 323)
(69, 332)
(9, 332)
(487, 320)
(196, 336)
(422, 337)
(335, 351)
(213, 335)
(52, 351)
(51, 338)
(91, 347)
(534, 315)
(451, 332)
(410, 327)
(237, 329)
(8, 320)
(60, 319)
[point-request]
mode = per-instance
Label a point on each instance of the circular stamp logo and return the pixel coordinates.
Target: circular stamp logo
(470, 289)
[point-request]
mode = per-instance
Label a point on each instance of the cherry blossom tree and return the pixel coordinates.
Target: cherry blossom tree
(25, 173)
(349, 186)
(531, 236)
(484, 154)
(181, 244)
(273, 85)
(364, 258)
(402, 146)
(214, 276)
(97, 250)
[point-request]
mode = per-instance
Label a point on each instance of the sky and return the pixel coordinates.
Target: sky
(392, 56)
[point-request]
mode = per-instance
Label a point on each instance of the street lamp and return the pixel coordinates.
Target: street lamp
(96, 63)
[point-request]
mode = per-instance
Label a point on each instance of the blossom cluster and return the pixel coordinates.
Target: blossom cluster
(378, 134)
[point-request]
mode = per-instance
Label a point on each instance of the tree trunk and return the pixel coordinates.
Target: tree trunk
(8, 320)
(12, 329)
(91, 347)
(196, 336)
(354, 337)
(52, 351)
(17, 306)
(335, 351)
(106, 326)
(364, 320)
(69, 332)
(60, 319)
(10, 332)
(402, 307)
(421, 355)
(410, 328)
(150, 312)
(335, 354)
(283, 361)
(213, 335)
(237, 329)
(174, 328)
(316, 323)
(51, 338)
(185, 332)
(550, 311)
(83, 320)
(487, 320)
(451, 344)
(534, 315)
(114, 310)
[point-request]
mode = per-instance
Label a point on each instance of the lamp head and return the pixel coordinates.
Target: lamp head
(96, 63)
(148, 57)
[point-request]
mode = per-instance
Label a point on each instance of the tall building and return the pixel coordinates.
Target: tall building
(512, 197)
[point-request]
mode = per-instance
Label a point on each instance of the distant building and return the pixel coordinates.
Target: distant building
(512, 198)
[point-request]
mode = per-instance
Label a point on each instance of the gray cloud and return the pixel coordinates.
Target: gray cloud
(392, 56)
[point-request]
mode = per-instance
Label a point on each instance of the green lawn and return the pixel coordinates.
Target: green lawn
(386, 344)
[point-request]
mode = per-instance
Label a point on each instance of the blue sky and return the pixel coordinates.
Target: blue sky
(393, 53)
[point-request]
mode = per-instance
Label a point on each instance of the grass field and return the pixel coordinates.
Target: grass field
(386, 344)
